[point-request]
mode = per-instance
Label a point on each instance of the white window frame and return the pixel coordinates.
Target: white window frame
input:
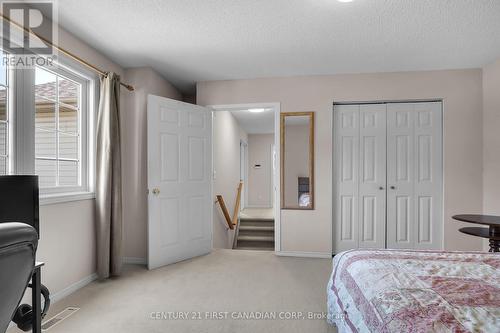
(7, 122)
(22, 129)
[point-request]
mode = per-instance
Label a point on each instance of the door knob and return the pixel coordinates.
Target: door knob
(156, 191)
(381, 188)
(393, 187)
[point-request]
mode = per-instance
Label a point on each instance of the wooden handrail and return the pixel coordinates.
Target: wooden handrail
(237, 204)
(222, 204)
(225, 212)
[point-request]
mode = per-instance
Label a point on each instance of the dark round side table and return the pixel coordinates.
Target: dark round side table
(492, 233)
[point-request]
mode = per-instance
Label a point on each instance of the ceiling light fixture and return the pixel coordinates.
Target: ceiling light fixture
(256, 110)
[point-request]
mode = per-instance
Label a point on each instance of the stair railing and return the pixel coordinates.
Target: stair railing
(231, 223)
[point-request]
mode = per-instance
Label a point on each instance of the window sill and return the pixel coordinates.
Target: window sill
(50, 199)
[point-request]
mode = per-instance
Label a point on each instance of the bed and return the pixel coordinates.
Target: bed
(414, 291)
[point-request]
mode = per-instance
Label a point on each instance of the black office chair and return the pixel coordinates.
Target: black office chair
(18, 243)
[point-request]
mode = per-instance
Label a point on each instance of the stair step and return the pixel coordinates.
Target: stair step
(256, 219)
(253, 248)
(251, 245)
(253, 233)
(256, 228)
(248, 238)
(256, 223)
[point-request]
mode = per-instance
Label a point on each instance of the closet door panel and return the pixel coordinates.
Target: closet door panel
(346, 171)
(429, 176)
(372, 175)
(400, 175)
(414, 175)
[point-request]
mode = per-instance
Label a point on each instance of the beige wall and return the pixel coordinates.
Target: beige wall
(491, 136)
(461, 91)
(260, 180)
(296, 161)
(226, 159)
(67, 243)
(134, 154)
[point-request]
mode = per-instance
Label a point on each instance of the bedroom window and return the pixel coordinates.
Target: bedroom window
(46, 128)
(62, 131)
(58, 160)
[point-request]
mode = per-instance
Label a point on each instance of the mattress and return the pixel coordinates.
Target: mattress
(414, 291)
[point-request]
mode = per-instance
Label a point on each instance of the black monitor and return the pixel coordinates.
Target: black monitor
(19, 200)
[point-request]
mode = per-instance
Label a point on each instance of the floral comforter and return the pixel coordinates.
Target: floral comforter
(414, 291)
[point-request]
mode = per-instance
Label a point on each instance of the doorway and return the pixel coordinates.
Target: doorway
(256, 129)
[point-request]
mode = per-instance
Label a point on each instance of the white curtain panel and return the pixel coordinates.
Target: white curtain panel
(108, 180)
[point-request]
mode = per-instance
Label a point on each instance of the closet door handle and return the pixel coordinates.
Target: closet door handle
(393, 187)
(381, 188)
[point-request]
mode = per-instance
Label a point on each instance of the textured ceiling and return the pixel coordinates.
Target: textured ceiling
(255, 123)
(197, 40)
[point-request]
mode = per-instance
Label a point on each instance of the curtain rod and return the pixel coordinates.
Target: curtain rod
(65, 52)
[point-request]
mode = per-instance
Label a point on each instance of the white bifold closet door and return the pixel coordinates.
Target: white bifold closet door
(414, 175)
(360, 146)
(387, 176)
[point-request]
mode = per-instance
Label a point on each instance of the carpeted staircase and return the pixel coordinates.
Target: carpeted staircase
(255, 233)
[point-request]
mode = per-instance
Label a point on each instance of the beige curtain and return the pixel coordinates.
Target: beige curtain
(108, 180)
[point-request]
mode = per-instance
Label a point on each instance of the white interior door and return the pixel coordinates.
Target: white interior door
(372, 175)
(179, 181)
(244, 173)
(414, 175)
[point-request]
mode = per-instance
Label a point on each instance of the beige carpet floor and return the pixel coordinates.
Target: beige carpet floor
(242, 283)
(262, 213)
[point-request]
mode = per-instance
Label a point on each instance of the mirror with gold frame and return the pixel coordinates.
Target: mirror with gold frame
(297, 160)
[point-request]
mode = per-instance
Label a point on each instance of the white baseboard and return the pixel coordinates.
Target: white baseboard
(54, 298)
(300, 254)
(134, 261)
